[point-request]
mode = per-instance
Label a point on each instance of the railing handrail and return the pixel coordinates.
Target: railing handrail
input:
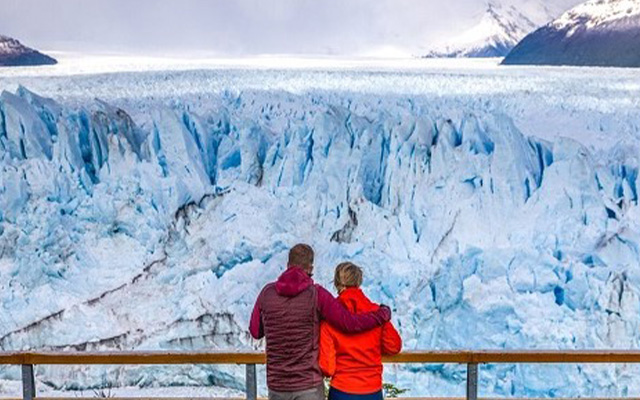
(472, 358)
(432, 357)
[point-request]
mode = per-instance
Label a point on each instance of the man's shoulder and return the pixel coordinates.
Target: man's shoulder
(319, 288)
(323, 296)
(268, 287)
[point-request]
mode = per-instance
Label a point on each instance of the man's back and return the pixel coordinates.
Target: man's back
(291, 326)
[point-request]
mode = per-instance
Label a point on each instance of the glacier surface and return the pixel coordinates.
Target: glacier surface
(490, 209)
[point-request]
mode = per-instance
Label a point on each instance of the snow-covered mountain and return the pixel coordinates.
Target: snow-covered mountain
(495, 31)
(151, 219)
(14, 53)
(596, 33)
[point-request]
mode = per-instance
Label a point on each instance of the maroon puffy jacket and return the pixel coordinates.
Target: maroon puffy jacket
(288, 312)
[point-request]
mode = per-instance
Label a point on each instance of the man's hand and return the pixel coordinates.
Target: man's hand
(385, 312)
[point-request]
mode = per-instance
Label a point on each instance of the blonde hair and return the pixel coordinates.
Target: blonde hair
(347, 275)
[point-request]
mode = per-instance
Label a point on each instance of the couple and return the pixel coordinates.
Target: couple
(309, 333)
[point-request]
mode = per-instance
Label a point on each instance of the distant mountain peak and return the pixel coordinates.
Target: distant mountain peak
(14, 53)
(596, 13)
(594, 33)
(499, 28)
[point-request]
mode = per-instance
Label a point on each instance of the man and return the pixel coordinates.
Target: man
(288, 312)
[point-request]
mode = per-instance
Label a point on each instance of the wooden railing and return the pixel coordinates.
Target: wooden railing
(471, 358)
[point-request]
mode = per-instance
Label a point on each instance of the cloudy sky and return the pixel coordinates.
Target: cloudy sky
(238, 27)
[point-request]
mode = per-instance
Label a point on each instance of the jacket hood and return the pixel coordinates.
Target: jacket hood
(292, 282)
(355, 301)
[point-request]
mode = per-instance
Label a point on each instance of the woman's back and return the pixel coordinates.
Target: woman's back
(355, 361)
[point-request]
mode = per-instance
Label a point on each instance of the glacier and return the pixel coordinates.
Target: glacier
(150, 218)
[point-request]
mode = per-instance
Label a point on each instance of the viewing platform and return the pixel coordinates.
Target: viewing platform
(472, 359)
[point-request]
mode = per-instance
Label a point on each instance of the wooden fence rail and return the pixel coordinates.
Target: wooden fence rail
(472, 358)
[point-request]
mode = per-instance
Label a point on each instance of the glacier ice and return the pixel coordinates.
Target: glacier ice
(153, 224)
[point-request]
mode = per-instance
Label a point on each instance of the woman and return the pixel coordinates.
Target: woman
(354, 362)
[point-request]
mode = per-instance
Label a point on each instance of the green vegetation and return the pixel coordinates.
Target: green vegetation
(392, 391)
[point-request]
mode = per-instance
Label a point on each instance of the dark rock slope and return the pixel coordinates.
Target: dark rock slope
(595, 33)
(13, 53)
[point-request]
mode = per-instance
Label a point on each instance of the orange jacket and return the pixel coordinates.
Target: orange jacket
(354, 362)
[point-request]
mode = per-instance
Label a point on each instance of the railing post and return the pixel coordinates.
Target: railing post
(28, 382)
(251, 382)
(472, 381)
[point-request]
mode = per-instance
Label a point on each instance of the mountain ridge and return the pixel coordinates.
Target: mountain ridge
(498, 29)
(594, 33)
(14, 54)
(493, 36)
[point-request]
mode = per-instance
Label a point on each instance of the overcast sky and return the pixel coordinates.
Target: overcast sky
(236, 27)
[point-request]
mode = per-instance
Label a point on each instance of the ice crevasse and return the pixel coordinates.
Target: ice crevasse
(155, 228)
